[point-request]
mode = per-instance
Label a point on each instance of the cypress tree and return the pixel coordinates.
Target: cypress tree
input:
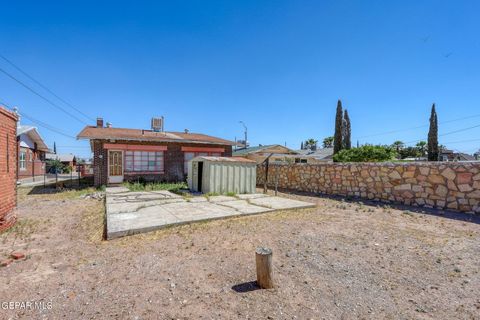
(301, 146)
(54, 147)
(347, 136)
(433, 136)
(337, 137)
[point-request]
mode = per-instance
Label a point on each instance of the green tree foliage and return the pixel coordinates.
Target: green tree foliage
(337, 138)
(328, 142)
(347, 131)
(366, 153)
(409, 152)
(56, 165)
(433, 136)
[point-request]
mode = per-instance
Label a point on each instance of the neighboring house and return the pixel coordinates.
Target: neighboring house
(8, 168)
(121, 154)
(261, 152)
(450, 155)
(68, 160)
(85, 167)
(316, 156)
(31, 152)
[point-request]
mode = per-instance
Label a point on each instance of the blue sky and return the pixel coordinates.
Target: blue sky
(279, 66)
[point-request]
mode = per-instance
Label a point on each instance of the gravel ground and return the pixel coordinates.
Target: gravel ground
(340, 260)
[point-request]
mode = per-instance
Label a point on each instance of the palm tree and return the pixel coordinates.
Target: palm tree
(311, 144)
(421, 146)
(328, 142)
(398, 145)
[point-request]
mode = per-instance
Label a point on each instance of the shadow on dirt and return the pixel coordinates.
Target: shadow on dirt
(454, 215)
(246, 287)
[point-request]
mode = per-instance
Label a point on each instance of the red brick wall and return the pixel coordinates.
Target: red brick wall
(8, 168)
(173, 161)
(34, 166)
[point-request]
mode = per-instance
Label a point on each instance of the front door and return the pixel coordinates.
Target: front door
(115, 166)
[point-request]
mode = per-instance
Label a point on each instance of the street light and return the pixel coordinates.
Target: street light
(245, 127)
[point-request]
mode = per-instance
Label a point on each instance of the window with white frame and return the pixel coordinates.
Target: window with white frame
(22, 160)
(190, 155)
(144, 161)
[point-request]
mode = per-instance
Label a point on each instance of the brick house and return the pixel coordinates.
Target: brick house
(8, 168)
(121, 154)
(31, 152)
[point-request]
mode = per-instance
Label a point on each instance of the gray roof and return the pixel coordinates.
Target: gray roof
(323, 153)
(60, 157)
(465, 157)
(245, 151)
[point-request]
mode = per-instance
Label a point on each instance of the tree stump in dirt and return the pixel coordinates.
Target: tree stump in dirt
(263, 257)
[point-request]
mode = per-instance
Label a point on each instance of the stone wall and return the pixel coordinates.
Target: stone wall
(443, 185)
(8, 168)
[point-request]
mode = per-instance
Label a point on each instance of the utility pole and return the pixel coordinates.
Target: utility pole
(245, 127)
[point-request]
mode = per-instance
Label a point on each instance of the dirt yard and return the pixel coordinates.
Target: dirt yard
(340, 260)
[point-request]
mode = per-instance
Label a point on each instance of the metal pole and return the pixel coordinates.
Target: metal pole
(246, 130)
(44, 180)
(276, 183)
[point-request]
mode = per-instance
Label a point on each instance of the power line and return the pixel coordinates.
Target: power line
(462, 141)
(73, 147)
(45, 88)
(41, 123)
(448, 133)
(417, 127)
(42, 97)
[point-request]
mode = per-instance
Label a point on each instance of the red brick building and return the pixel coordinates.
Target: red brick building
(8, 168)
(31, 152)
(121, 154)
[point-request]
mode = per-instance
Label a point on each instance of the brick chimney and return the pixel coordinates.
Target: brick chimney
(99, 122)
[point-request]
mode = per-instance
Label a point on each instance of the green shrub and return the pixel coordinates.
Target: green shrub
(138, 186)
(366, 153)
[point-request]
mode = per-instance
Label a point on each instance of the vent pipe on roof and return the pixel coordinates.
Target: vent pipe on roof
(109, 124)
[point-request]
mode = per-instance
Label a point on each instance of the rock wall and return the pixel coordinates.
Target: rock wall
(442, 185)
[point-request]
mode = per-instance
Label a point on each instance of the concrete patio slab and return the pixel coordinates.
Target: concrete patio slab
(279, 203)
(116, 189)
(137, 212)
(221, 198)
(252, 196)
(244, 206)
(198, 199)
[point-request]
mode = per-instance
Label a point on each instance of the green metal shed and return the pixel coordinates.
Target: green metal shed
(222, 175)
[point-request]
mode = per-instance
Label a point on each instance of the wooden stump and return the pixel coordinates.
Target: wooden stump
(263, 257)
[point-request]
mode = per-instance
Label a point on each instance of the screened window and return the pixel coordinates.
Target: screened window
(144, 161)
(23, 160)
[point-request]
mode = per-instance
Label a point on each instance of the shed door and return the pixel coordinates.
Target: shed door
(200, 176)
(115, 166)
